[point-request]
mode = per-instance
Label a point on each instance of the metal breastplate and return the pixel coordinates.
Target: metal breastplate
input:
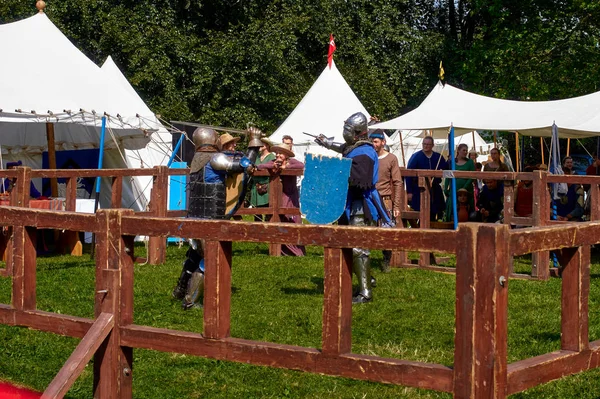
(207, 200)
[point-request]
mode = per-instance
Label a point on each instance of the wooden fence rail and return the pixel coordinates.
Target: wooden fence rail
(483, 251)
(20, 196)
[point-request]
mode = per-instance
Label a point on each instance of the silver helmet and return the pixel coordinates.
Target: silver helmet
(205, 137)
(354, 126)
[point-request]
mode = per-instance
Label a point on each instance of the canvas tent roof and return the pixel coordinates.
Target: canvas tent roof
(43, 75)
(156, 152)
(323, 109)
(447, 106)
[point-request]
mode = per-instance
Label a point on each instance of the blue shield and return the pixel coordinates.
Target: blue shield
(324, 188)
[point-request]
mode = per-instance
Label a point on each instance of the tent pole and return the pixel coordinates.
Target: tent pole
(542, 149)
(98, 179)
(51, 157)
(473, 134)
(174, 153)
(495, 139)
(568, 146)
(517, 151)
(453, 182)
(402, 149)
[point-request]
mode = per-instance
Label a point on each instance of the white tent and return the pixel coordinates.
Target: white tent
(448, 106)
(44, 79)
(412, 140)
(159, 149)
(324, 108)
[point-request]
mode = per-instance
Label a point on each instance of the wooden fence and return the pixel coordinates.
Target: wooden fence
(20, 196)
(483, 251)
(540, 217)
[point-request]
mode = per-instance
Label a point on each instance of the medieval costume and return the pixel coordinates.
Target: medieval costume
(434, 162)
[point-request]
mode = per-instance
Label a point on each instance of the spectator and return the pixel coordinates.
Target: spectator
(570, 206)
(465, 209)
(228, 142)
(495, 165)
(288, 140)
(259, 194)
(524, 196)
(290, 197)
(473, 156)
(429, 160)
(389, 184)
(491, 201)
(463, 163)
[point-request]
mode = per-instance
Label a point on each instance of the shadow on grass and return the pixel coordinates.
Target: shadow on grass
(318, 289)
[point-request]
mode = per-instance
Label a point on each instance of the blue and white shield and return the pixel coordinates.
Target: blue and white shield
(324, 188)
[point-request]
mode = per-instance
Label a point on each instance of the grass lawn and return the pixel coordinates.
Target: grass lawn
(280, 300)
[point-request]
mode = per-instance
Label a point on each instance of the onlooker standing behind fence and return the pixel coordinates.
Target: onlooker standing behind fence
(389, 184)
(290, 197)
(259, 194)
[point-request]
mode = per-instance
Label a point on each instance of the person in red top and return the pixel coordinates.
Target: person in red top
(524, 196)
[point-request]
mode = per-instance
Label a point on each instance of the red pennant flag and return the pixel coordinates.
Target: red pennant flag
(331, 50)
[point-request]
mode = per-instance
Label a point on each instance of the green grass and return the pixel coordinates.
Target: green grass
(280, 300)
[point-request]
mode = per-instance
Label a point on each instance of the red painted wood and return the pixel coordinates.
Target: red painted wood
(337, 301)
(217, 289)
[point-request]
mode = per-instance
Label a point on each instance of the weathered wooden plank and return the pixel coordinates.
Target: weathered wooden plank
(370, 368)
(71, 326)
(540, 261)
(24, 268)
(523, 241)
(538, 370)
(217, 289)
(114, 289)
(117, 192)
(43, 219)
(75, 364)
(481, 312)
(157, 245)
(424, 215)
(575, 264)
(337, 301)
(290, 233)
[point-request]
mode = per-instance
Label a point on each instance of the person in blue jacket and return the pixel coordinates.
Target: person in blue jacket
(9, 183)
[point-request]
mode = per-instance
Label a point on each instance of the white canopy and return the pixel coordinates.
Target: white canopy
(412, 142)
(44, 75)
(159, 149)
(324, 108)
(45, 78)
(448, 106)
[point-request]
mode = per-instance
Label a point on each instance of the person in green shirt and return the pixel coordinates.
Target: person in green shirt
(259, 193)
(463, 163)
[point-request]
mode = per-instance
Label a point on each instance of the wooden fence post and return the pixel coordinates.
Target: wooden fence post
(575, 263)
(480, 343)
(217, 289)
(540, 261)
(425, 215)
(114, 295)
(275, 191)
(337, 301)
(23, 258)
(157, 246)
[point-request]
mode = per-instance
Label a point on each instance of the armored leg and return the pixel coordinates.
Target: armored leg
(361, 267)
(194, 254)
(195, 291)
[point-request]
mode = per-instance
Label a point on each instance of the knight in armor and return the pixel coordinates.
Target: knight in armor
(363, 205)
(207, 200)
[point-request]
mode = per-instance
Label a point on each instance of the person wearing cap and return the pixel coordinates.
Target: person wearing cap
(290, 197)
(259, 194)
(389, 184)
(10, 183)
